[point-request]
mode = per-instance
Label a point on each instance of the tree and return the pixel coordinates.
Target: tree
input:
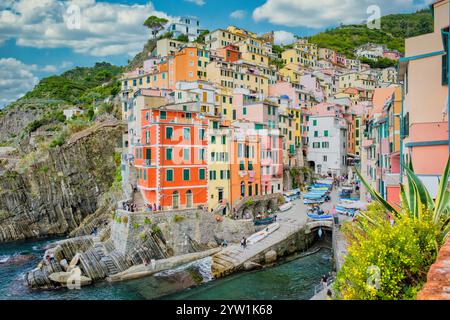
(155, 24)
(183, 38)
(201, 36)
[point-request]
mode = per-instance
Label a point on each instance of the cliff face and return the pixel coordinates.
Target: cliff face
(53, 196)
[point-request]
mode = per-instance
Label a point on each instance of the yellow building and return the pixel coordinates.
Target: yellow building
(252, 50)
(218, 166)
(231, 75)
(356, 80)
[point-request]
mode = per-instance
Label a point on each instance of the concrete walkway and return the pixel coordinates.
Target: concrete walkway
(291, 222)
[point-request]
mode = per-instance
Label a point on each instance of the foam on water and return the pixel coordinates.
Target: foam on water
(4, 258)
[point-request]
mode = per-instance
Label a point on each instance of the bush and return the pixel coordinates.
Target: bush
(135, 226)
(178, 218)
(147, 221)
(118, 220)
(156, 229)
(125, 219)
(401, 254)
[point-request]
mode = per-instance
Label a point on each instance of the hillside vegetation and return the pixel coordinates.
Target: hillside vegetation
(79, 85)
(394, 29)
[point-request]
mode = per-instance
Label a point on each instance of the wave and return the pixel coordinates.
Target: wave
(4, 258)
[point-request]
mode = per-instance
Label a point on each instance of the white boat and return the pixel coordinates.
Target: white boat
(286, 206)
(254, 238)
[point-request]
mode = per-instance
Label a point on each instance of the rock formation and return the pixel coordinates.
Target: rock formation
(55, 194)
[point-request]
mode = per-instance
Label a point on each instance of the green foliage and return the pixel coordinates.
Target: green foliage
(394, 29)
(43, 169)
(155, 24)
(79, 85)
(201, 36)
(278, 62)
(178, 218)
(166, 35)
(183, 38)
(147, 221)
(156, 229)
(59, 140)
(47, 118)
(402, 252)
(381, 63)
(118, 220)
(135, 226)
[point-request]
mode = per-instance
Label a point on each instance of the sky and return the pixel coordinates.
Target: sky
(39, 38)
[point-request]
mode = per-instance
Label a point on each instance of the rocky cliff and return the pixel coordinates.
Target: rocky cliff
(57, 192)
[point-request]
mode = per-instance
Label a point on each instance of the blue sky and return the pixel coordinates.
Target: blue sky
(35, 41)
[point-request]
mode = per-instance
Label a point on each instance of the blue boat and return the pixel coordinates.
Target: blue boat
(312, 196)
(314, 201)
(319, 217)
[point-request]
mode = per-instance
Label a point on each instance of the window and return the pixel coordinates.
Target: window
(201, 154)
(163, 115)
(201, 134)
(224, 139)
(314, 122)
(241, 165)
(212, 175)
(186, 152)
(169, 132)
(215, 125)
(201, 174)
(234, 114)
(169, 175)
(325, 133)
(169, 153)
(445, 57)
(187, 133)
(250, 166)
(316, 133)
(186, 174)
(213, 139)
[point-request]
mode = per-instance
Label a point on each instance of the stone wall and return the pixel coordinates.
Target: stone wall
(184, 231)
(437, 286)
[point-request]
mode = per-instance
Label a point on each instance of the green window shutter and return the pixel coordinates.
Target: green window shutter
(169, 175)
(169, 154)
(316, 133)
(169, 132)
(162, 115)
(224, 139)
(314, 122)
(228, 174)
(221, 174)
(201, 174)
(244, 110)
(186, 176)
(325, 133)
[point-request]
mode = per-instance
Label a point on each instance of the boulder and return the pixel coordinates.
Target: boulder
(250, 265)
(270, 256)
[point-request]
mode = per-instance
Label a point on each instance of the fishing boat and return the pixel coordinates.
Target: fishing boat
(314, 201)
(265, 221)
(263, 233)
(319, 217)
(286, 206)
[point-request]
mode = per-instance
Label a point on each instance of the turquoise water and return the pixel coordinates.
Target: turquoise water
(294, 279)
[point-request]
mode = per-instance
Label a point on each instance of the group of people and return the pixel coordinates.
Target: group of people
(149, 207)
(131, 207)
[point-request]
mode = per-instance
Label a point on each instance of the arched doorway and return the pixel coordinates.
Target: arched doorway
(175, 200)
(189, 199)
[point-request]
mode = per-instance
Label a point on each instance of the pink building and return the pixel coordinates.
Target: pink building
(425, 116)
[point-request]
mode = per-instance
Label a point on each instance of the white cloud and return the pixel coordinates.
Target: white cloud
(283, 37)
(16, 78)
(323, 13)
(238, 14)
(105, 28)
(197, 2)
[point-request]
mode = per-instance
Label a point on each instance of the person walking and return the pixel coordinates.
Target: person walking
(325, 282)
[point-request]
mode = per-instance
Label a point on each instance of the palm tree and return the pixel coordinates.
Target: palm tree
(155, 24)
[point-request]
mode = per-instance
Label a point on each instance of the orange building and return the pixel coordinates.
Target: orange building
(245, 164)
(171, 161)
(229, 53)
